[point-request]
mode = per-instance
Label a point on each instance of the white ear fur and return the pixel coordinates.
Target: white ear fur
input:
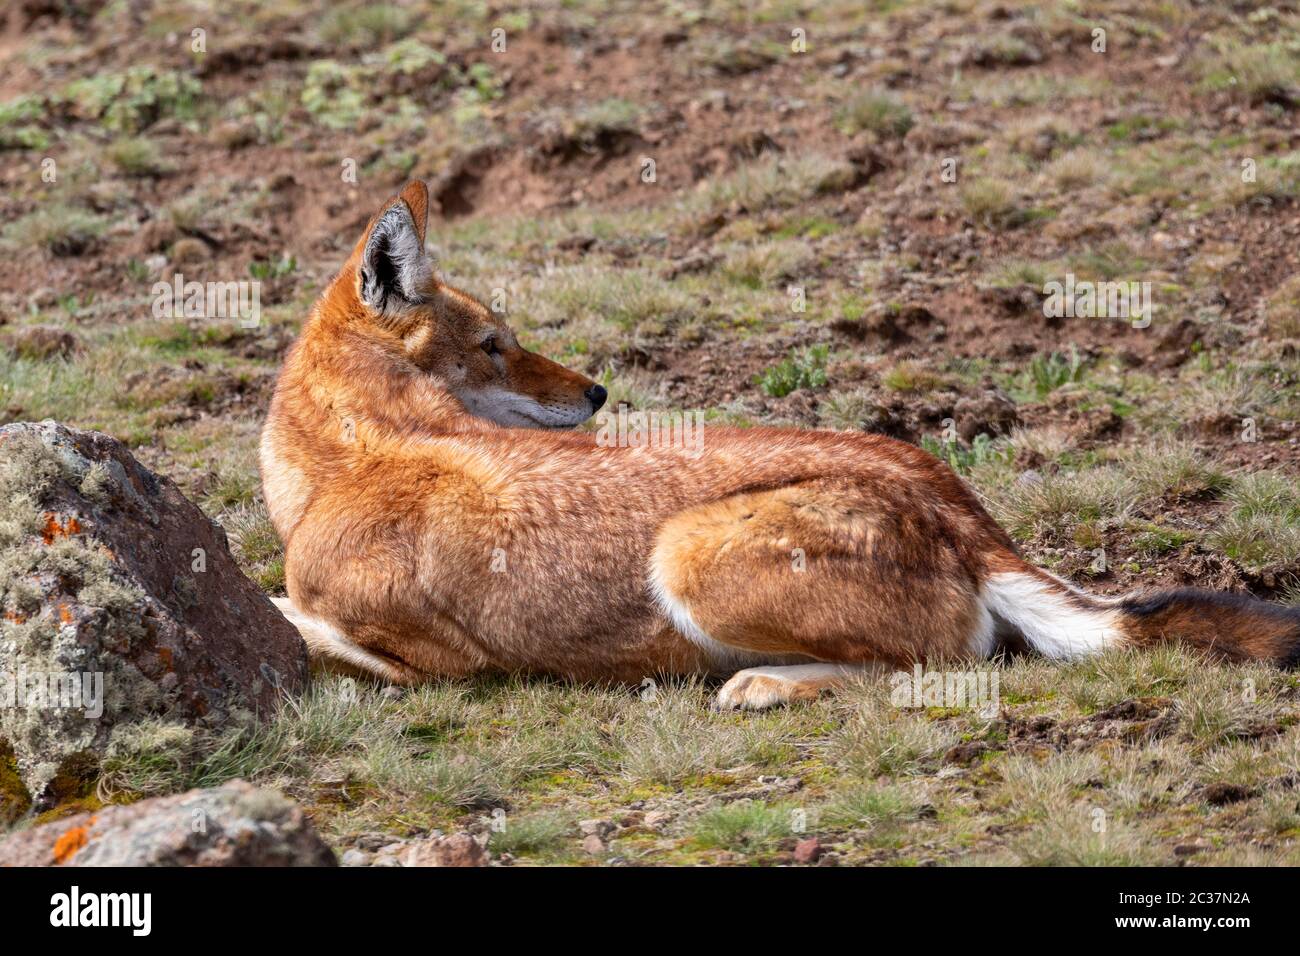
(395, 271)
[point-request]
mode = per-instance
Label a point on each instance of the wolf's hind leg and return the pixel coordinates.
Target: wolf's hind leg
(825, 570)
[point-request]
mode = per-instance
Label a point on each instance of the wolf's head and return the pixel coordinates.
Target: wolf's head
(448, 335)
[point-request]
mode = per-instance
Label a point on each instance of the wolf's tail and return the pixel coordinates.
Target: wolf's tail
(1059, 621)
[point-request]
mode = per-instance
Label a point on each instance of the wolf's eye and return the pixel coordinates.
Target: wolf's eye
(490, 346)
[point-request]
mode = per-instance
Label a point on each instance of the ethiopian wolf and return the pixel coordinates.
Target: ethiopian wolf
(440, 519)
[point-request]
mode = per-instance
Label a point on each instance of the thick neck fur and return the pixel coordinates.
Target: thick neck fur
(362, 385)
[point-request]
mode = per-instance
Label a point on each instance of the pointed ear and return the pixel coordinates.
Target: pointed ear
(394, 271)
(416, 197)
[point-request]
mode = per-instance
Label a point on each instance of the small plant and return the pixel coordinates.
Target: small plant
(135, 156)
(803, 369)
(17, 124)
(880, 113)
(136, 270)
(742, 825)
(910, 378)
(61, 229)
(855, 409)
(273, 268)
(369, 26)
(1264, 72)
(483, 83)
(993, 203)
(1282, 310)
(1047, 373)
(533, 835)
(963, 459)
(332, 93)
(608, 117)
(1004, 50)
(883, 808)
(131, 101)
(1263, 528)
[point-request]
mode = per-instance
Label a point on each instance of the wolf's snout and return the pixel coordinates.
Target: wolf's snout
(596, 395)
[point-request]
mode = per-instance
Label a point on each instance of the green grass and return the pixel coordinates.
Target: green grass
(804, 369)
(1047, 373)
(746, 825)
(56, 227)
(136, 156)
(1263, 527)
(883, 114)
(982, 452)
(534, 835)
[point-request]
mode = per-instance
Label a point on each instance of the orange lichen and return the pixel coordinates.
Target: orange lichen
(67, 845)
(54, 528)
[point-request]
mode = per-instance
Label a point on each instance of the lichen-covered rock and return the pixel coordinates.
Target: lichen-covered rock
(119, 600)
(235, 824)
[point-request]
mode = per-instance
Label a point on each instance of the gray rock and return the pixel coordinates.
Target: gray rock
(119, 601)
(235, 824)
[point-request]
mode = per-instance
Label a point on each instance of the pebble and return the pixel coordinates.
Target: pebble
(808, 851)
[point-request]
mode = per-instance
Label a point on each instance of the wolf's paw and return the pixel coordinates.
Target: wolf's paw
(758, 688)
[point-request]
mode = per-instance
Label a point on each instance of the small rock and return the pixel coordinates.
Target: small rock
(233, 134)
(355, 857)
(235, 824)
(372, 841)
(598, 828)
(1221, 794)
(966, 752)
(808, 850)
(389, 855)
(458, 849)
(593, 844)
(188, 251)
(657, 818)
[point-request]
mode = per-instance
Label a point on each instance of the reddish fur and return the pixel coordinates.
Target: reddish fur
(391, 523)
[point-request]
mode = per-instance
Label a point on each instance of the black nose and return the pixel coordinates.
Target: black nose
(596, 395)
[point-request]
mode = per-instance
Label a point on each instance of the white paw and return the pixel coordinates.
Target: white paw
(755, 689)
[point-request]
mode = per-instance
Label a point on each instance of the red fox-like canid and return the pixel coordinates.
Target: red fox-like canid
(439, 520)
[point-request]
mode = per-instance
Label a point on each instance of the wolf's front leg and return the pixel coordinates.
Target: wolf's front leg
(756, 688)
